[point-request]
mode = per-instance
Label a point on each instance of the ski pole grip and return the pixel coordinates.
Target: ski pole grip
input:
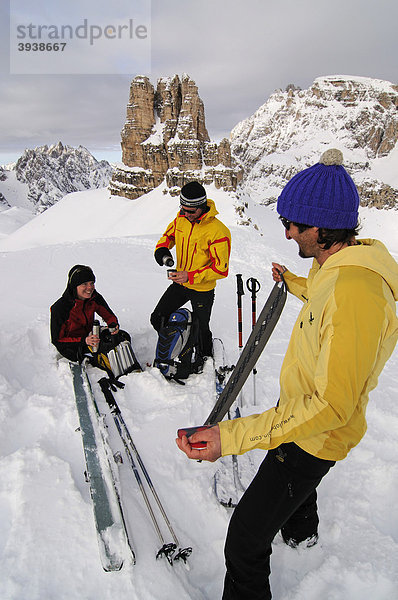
(188, 431)
(240, 291)
(112, 327)
(253, 285)
(239, 285)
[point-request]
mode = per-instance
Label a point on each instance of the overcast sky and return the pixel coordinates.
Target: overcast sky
(237, 51)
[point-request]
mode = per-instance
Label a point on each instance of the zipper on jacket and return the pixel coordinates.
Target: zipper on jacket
(189, 237)
(193, 256)
(182, 253)
(84, 311)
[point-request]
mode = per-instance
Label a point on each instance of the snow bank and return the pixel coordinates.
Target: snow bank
(47, 538)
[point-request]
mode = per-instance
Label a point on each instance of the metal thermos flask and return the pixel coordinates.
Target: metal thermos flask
(96, 331)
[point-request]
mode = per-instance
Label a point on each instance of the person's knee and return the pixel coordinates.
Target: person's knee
(155, 320)
(238, 536)
(158, 320)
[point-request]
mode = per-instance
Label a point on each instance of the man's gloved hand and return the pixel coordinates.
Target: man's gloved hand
(163, 257)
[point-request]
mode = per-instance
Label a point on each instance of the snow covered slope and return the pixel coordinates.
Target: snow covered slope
(47, 539)
(15, 208)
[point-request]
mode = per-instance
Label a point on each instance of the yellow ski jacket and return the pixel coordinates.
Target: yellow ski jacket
(202, 248)
(344, 334)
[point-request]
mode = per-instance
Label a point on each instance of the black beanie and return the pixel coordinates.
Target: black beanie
(193, 194)
(79, 274)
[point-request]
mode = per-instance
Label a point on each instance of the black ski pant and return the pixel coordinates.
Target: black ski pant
(286, 479)
(73, 351)
(176, 296)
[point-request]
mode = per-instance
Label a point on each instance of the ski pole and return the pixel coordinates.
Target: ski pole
(240, 292)
(182, 553)
(253, 285)
(167, 549)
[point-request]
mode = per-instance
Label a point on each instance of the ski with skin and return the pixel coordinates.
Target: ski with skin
(228, 485)
(252, 350)
(169, 550)
(112, 535)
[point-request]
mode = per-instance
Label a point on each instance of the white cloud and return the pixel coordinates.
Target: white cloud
(237, 52)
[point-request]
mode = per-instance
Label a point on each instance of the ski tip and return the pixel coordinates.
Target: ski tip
(111, 567)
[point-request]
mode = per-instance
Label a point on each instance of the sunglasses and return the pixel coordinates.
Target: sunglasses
(186, 211)
(285, 222)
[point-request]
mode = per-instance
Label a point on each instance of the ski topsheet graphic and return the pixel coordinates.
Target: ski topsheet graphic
(254, 346)
(109, 521)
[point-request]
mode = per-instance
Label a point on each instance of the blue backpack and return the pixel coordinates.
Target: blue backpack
(177, 354)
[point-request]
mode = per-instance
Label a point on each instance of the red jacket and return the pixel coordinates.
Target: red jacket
(72, 320)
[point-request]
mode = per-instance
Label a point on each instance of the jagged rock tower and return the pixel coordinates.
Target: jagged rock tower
(165, 137)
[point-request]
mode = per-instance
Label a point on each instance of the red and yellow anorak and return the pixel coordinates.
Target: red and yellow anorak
(202, 248)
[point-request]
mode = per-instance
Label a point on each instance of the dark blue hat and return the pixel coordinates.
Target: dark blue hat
(323, 195)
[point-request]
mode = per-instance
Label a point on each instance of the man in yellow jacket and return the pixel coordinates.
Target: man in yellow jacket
(203, 246)
(343, 336)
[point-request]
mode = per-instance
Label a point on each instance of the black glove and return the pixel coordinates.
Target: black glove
(163, 257)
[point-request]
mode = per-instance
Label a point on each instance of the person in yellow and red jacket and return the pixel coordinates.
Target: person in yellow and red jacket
(203, 246)
(343, 336)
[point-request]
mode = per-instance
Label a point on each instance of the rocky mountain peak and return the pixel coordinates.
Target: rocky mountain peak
(165, 138)
(56, 170)
(358, 115)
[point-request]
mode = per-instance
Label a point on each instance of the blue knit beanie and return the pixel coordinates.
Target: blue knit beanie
(323, 195)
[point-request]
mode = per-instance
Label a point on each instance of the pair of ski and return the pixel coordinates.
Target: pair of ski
(228, 484)
(112, 532)
(113, 540)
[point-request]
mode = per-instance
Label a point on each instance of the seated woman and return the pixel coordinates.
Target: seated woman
(72, 315)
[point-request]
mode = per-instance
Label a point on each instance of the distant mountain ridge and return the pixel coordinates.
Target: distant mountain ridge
(358, 115)
(51, 172)
(288, 133)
